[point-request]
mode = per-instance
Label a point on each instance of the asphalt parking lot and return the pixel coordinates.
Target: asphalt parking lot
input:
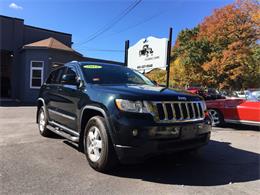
(31, 164)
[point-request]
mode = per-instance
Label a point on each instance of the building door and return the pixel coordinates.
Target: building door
(5, 73)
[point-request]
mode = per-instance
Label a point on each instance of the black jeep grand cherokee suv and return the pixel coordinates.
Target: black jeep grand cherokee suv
(116, 114)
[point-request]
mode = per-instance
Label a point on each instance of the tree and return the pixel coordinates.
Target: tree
(190, 52)
(220, 52)
(232, 32)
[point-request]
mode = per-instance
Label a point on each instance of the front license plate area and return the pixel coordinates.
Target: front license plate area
(168, 132)
(188, 132)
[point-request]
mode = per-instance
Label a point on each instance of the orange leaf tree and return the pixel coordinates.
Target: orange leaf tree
(222, 51)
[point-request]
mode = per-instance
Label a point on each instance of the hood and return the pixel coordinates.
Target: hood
(145, 92)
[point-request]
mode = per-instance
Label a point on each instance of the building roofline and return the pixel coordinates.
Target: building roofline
(48, 30)
(47, 48)
(9, 17)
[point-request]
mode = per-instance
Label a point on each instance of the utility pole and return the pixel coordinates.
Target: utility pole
(126, 52)
(169, 57)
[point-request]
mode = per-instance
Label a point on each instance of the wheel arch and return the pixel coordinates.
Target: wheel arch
(87, 113)
(40, 103)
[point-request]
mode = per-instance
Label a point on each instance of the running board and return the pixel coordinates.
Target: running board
(66, 129)
(63, 134)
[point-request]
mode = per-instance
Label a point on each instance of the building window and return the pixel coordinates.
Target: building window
(36, 76)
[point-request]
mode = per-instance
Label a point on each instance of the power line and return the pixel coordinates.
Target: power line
(123, 30)
(112, 23)
(104, 50)
(139, 23)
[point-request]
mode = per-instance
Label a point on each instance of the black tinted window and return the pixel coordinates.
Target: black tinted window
(71, 70)
(51, 78)
(61, 71)
(55, 76)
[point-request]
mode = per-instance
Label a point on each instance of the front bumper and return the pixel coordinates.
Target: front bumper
(128, 154)
(153, 138)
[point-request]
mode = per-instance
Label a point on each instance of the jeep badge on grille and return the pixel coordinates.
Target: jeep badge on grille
(182, 98)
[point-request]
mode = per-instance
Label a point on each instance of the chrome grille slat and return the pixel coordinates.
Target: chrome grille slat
(165, 112)
(181, 113)
(193, 110)
(188, 112)
(173, 112)
(177, 111)
(197, 104)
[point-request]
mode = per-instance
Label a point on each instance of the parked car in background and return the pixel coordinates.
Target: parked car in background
(240, 94)
(198, 90)
(207, 94)
(213, 94)
(195, 90)
(236, 110)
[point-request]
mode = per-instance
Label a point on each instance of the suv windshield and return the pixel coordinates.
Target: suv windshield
(113, 74)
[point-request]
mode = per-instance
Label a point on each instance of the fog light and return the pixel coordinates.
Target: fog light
(135, 132)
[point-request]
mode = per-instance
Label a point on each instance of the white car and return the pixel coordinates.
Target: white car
(241, 94)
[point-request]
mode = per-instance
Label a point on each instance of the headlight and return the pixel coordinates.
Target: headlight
(131, 106)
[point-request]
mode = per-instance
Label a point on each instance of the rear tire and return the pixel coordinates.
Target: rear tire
(98, 146)
(216, 117)
(42, 123)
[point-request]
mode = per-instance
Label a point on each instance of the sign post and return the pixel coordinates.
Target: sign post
(126, 52)
(169, 57)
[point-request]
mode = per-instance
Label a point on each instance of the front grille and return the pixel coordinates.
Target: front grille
(178, 111)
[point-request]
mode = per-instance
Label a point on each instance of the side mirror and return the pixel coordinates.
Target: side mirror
(69, 79)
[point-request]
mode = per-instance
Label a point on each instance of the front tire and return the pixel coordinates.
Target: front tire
(98, 147)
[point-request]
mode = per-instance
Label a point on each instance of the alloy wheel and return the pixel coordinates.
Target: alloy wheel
(214, 116)
(42, 121)
(94, 144)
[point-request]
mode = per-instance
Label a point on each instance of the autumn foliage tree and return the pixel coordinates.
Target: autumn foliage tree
(223, 51)
(188, 55)
(232, 32)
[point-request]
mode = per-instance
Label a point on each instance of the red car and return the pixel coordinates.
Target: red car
(207, 94)
(239, 111)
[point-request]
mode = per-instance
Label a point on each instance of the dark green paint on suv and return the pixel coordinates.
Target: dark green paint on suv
(116, 114)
